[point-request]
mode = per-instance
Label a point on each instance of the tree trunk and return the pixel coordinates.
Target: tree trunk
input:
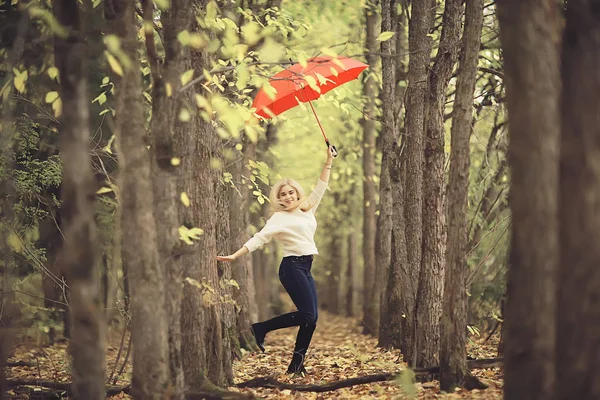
(229, 333)
(389, 145)
(578, 350)
(419, 47)
(166, 197)
(529, 33)
(453, 331)
(205, 323)
(78, 187)
(242, 269)
(431, 278)
(369, 188)
(400, 294)
(335, 282)
(352, 276)
(264, 260)
(149, 317)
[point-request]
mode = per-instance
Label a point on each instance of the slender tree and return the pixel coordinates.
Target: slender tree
(242, 269)
(80, 255)
(529, 32)
(578, 349)
(419, 47)
(165, 105)
(206, 321)
(431, 282)
(453, 347)
(384, 222)
(369, 188)
(140, 253)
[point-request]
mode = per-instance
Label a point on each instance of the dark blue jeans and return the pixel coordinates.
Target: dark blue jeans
(295, 276)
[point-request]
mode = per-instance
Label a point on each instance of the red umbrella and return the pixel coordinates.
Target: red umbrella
(300, 83)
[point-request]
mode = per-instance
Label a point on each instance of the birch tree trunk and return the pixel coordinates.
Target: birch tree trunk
(529, 31)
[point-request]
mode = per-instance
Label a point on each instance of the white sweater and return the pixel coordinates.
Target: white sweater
(295, 230)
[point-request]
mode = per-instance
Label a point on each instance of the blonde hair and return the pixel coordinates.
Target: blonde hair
(278, 205)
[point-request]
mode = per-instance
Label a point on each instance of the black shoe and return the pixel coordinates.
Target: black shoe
(297, 365)
(259, 336)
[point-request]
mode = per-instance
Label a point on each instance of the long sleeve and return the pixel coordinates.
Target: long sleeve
(317, 194)
(264, 236)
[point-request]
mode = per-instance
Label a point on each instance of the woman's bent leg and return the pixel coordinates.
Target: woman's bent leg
(299, 284)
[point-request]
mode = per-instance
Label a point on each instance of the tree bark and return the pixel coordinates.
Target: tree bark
(205, 316)
(431, 282)
(419, 47)
(578, 350)
(229, 333)
(264, 260)
(80, 255)
(369, 187)
(453, 337)
(163, 126)
(529, 31)
(146, 275)
(389, 145)
(399, 291)
(242, 269)
(352, 276)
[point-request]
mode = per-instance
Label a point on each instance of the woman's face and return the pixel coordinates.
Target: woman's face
(287, 195)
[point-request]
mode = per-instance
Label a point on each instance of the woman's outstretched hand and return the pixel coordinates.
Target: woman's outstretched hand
(226, 258)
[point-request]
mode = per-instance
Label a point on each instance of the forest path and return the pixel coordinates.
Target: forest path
(340, 351)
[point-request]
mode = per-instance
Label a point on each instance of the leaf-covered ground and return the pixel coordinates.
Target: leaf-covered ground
(338, 351)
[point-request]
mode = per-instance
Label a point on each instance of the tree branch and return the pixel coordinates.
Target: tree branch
(271, 382)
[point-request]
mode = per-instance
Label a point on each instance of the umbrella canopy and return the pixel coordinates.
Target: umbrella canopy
(300, 83)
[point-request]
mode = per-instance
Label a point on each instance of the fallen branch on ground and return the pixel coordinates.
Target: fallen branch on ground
(64, 386)
(114, 390)
(20, 364)
(272, 383)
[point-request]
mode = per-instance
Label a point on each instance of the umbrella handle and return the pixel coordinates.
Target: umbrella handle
(335, 152)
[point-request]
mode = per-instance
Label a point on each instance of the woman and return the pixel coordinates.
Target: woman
(293, 224)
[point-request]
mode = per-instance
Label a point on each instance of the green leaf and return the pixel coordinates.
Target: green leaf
(184, 38)
(187, 76)
(406, 381)
(57, 107)
(163, 4)
(52, 72)
(312, 82)
(251, 32)
(383, 36)
(185, 115)
(242, 76)
(15, 242)
(114, 64)
(113, 43)
(101, 99)
(104, 190)
(185, 199)
(51, 96)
